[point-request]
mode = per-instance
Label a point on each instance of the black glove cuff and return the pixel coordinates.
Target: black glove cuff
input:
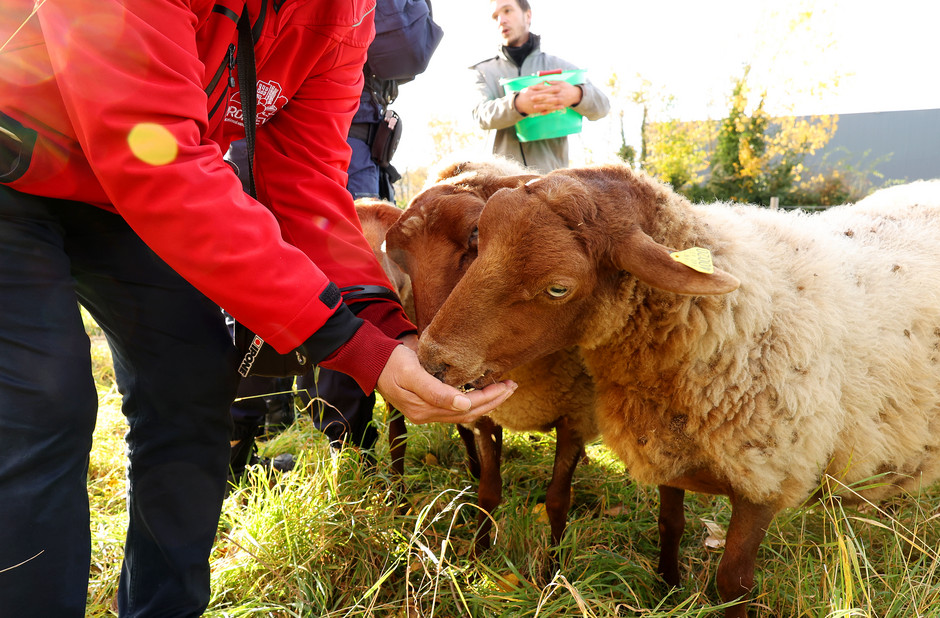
(337, 330)
(260, 359)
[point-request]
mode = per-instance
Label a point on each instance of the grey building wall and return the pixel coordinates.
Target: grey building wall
(900, 145)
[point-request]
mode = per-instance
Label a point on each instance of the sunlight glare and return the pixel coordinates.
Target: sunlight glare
(152, 143)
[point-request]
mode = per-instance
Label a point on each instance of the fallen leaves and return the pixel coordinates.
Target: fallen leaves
(716, 535)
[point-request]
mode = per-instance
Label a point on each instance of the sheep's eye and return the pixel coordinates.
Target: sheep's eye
(474, 239)
(557, 291)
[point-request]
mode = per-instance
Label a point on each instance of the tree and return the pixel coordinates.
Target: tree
(626, 152)
(449, 138)
(678, 152)
(758, 157)
(738, 164)
(757, 151)
(672, 150)
(409, 185)
(642, 97)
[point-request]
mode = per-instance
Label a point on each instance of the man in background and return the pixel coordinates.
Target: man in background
(498, 112)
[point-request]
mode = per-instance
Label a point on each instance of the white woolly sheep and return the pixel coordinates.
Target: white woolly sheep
(917, 192)
(434, 241)
(821, 370)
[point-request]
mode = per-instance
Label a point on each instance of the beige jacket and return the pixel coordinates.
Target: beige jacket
(496, 114)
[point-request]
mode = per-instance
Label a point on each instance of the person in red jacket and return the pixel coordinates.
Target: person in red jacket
(114, 115)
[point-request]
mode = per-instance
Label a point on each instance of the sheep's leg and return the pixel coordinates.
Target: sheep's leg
(749, 523)
(569, 448)
(469, 442)
(489, 446)
(671, 527)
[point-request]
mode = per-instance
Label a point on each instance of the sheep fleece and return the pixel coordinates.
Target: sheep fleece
(825, 361)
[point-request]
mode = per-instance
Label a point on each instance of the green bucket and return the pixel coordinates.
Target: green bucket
(553, 124)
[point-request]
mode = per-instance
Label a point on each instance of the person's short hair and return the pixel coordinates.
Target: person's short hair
(523, 4)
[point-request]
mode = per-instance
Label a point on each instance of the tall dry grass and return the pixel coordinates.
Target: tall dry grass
(327, 539)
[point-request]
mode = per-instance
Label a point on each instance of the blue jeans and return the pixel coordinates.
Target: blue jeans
(175, 368)
(363, 173)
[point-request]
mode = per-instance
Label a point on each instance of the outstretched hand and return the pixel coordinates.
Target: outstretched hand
(422, 398)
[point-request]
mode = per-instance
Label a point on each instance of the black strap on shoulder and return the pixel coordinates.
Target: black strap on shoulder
(247, 86)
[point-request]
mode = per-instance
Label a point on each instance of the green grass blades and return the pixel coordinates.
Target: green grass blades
(331, 538)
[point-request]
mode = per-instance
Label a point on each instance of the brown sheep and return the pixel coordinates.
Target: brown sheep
(814, 365)
(376, 217)
(434, 241)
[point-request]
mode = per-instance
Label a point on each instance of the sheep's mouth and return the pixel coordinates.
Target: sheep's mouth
(488, 377)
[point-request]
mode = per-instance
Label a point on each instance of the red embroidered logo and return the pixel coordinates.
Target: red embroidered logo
(270, 100)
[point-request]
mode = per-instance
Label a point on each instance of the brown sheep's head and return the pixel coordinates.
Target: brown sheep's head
(435, 240)
(548, 251)
(376, 217)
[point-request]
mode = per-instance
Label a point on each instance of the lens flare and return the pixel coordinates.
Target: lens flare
(152, 143)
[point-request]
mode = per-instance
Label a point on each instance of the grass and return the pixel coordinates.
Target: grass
(327, 539)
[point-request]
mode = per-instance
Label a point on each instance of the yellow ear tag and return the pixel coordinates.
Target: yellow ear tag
(695, 258)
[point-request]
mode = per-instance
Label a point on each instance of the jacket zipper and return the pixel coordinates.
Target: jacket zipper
(521, 147)
(230, 56)
(230, 63)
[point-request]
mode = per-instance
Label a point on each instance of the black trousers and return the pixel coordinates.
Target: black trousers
(175, 369)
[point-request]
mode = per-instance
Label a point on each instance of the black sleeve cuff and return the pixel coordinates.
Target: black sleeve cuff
(337, 330)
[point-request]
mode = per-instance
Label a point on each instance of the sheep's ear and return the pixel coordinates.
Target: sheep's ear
(379, 211)
(653, 264)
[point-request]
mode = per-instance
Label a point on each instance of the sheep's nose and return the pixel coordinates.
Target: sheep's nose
(434, 359)
(429, 353)
(435, 367)
(439, 371)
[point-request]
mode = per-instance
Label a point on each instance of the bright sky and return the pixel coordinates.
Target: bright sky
(885, 54)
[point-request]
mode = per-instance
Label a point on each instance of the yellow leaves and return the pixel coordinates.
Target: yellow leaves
(540, 514)
(848, 560)
(801, 134)
(751, 163)
(677, 152)
(449, 136)
(507, 582)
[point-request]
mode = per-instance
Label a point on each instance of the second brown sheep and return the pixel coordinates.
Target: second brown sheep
(434, 242)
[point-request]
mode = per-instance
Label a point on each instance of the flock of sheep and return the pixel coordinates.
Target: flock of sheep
(726, 349)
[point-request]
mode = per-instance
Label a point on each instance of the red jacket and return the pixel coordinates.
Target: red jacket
(87, 78)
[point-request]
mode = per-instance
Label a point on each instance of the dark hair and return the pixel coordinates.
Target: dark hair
(523, 4)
